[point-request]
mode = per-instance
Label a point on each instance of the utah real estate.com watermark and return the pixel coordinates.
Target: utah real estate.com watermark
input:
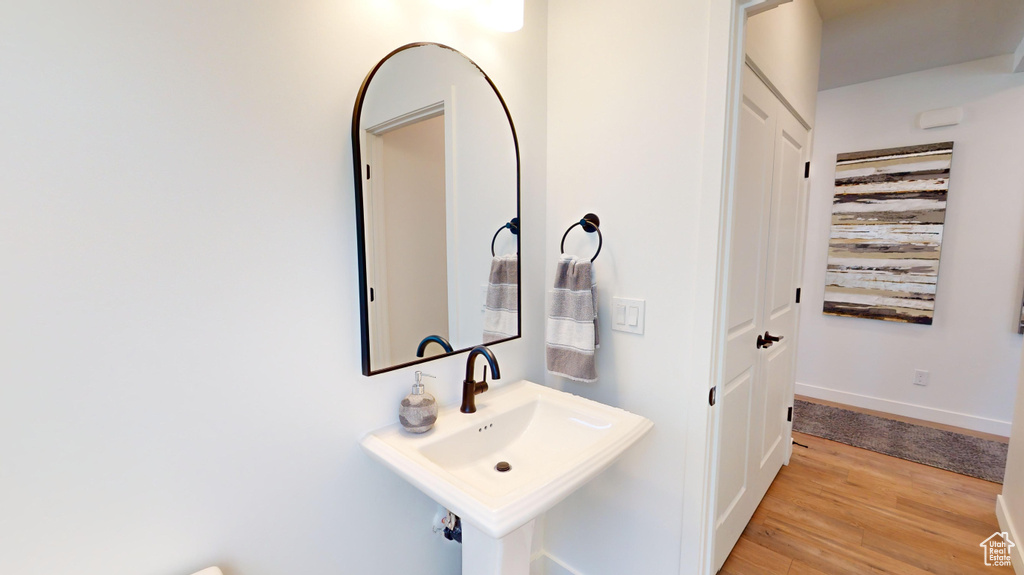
(997, 549)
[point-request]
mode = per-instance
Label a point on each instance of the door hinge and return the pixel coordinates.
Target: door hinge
(367, 171)
(712, 396)
(371, 294)
(807, 170)
(789, 415)
(797, 295)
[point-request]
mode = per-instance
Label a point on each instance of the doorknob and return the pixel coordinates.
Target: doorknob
(767, 340)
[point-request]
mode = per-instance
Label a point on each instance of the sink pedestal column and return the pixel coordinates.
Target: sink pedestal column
(485, 555)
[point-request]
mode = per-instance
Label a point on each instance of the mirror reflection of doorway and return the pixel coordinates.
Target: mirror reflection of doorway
(408, 210)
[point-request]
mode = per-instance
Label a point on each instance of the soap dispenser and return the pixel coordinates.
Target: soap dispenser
(418, 410)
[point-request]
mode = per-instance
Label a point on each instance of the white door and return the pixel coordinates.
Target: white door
(756, 389)
(785, 254)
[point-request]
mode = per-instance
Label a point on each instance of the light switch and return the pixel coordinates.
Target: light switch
(628, 315)
(620, 315)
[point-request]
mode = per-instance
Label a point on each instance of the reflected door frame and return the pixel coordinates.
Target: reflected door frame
(376, 254)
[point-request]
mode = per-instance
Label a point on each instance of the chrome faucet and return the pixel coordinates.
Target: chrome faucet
(471, 388)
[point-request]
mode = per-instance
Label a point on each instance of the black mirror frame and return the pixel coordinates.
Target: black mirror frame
(357, 171)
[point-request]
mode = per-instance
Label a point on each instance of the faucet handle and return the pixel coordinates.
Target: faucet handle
(481, 386)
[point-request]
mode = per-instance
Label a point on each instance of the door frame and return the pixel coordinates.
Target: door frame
(726, 59)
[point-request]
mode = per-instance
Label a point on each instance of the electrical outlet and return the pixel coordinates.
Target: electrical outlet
(920, 377)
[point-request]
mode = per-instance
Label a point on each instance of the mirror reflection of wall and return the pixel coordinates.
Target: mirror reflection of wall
(438, 174)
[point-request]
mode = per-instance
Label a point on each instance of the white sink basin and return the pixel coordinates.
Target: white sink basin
(554, 442)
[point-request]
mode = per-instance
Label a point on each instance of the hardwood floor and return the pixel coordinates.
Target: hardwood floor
(837, 510)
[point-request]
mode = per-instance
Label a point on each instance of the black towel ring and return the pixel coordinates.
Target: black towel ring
(590, 224)
(512, 226)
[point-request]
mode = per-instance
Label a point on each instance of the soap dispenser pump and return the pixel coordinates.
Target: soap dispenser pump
(418, 410)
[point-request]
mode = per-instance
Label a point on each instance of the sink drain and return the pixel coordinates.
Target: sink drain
(503, 466)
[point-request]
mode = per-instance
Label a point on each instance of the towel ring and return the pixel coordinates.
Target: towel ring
(590, 224)
(512, 226)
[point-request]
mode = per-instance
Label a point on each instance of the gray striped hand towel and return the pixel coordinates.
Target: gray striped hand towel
(572, 321)
(501, 311)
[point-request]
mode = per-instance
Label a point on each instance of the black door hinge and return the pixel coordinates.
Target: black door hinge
(367, 171)
(712, 396)
(371, 294)
(789, 415)
(797, 295)
(807, 170)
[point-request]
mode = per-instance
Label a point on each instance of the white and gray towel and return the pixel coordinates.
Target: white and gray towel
(572, 321)
(501, 310)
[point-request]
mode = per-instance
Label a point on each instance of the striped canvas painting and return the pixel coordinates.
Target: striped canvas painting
(887, 216)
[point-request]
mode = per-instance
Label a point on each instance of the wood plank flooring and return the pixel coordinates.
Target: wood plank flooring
(841, 510)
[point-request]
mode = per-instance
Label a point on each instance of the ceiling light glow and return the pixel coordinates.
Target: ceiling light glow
(501, 15)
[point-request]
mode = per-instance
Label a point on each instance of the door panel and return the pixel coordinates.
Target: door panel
(741, 415)
(749, 211)
(785, 248)
(736, 408)
(753, 435)
(774, 406)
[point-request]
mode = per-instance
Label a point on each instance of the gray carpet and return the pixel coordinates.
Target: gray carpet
(956, 452)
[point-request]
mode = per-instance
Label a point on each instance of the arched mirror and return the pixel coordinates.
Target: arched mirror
(436, 163)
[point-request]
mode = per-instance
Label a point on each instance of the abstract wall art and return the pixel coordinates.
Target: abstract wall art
(887, 217)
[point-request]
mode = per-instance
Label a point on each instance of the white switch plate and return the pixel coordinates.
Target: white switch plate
(920, 377)
(628, 315)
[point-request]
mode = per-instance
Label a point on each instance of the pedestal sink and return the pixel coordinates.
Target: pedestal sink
(525, 449)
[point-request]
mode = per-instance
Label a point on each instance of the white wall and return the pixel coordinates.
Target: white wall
(785, 45)
(179, 344)
(972, 350)
(626, 134)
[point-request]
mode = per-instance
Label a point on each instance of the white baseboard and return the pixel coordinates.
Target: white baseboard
(539, 565)
(545, 564)
(964, 420)
(1006, 524)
